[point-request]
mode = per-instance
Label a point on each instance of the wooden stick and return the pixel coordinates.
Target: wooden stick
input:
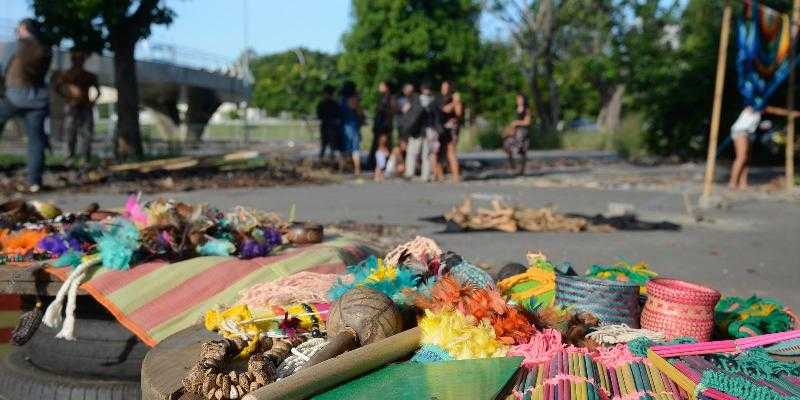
(711, 159)
(782, 112)
(790, 105)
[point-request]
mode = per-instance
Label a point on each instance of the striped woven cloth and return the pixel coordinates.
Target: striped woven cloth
(156, 299)
(10, 305)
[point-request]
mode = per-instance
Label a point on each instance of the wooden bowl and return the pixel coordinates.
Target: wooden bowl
(304, 233)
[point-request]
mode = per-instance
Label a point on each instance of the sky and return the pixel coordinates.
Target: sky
(218, 26)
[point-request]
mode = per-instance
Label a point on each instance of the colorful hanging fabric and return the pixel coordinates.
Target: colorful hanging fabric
(764, 41)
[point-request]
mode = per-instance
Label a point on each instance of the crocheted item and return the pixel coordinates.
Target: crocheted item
(786, 348)
(612, 302)
(468, 274)
(740, 387)
(679, 308)
(300, 356)
(640, 345)
(613, 334)
(623, 271)
(431, 353)
(420, 248)
(737, 317)
(302, 287)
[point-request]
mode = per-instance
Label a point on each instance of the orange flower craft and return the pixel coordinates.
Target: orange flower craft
(510, 325)
(22, 242)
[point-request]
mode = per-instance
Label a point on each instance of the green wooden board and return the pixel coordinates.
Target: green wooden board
(481, 379)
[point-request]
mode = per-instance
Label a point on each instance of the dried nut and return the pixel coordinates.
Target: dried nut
(226, 384)
(208, 385)
(233, 394)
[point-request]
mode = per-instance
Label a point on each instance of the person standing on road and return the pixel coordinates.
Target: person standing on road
(452, 113)
(382, 126)
(515, 136)
(410, 127)
(27, 96)
(74, 86)
(329, 115)
(432, 127)
(352, 119)
(742, 133)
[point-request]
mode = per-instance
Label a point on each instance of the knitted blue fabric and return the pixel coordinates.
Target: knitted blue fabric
(431, 353)
(466, 273)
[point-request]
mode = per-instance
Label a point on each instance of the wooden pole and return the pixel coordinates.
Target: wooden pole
(790, 104)
(711, 159)
(781, 112)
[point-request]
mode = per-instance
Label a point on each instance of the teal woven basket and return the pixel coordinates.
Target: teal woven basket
(611, 301)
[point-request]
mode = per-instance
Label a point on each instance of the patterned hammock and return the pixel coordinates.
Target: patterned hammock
(764, 40)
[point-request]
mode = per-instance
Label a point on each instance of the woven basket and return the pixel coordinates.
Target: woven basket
(679, 308)
(612, 302)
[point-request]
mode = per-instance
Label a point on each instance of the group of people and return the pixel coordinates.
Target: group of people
(27, 96)
(427, 124)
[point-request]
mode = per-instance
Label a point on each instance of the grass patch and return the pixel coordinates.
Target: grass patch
(629, 141)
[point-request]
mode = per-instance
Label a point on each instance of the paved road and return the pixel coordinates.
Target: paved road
(753, 246)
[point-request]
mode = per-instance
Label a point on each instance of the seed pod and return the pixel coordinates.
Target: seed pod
(243, 388)
(254, 386)
(208, 386)
(233, 394)
(226, 385)
(218, 394)
(218, 380)
(244, 380)
(233, 376)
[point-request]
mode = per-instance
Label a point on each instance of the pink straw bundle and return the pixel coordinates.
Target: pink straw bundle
(724, 346)
(679, 308)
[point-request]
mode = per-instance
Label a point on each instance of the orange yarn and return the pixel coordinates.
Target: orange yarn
(510, 325)
(21, 242)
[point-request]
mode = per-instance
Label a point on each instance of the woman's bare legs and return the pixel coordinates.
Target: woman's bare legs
(452, 161)
(741, 146)
(357, 163)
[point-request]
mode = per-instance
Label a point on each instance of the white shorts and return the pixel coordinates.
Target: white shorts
(746, 124)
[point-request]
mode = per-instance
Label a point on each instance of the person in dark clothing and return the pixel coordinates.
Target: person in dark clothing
(410, 128)
(74, 86)
(352, 119)
(382, 127)
(515, 136)
(432, 129)
(27, 96)
(452, 113)
(330, 120)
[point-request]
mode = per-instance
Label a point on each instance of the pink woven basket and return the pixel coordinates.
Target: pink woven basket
(679, 308)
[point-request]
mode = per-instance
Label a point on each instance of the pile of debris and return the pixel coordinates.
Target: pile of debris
(503, 217)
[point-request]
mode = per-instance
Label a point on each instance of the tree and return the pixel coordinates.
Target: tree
(493, 82)
(292, 81)
(533, 25)
(117, 26)
(410, 41)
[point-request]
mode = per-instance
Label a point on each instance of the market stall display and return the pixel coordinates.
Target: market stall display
(154, 267)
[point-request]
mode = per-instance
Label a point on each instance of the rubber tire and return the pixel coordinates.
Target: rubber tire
(102, 349)
(20, 380)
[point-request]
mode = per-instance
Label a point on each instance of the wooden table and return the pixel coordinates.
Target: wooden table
(22, 280)
(169, 361)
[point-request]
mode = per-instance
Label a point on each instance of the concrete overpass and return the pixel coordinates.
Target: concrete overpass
(168, 75)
